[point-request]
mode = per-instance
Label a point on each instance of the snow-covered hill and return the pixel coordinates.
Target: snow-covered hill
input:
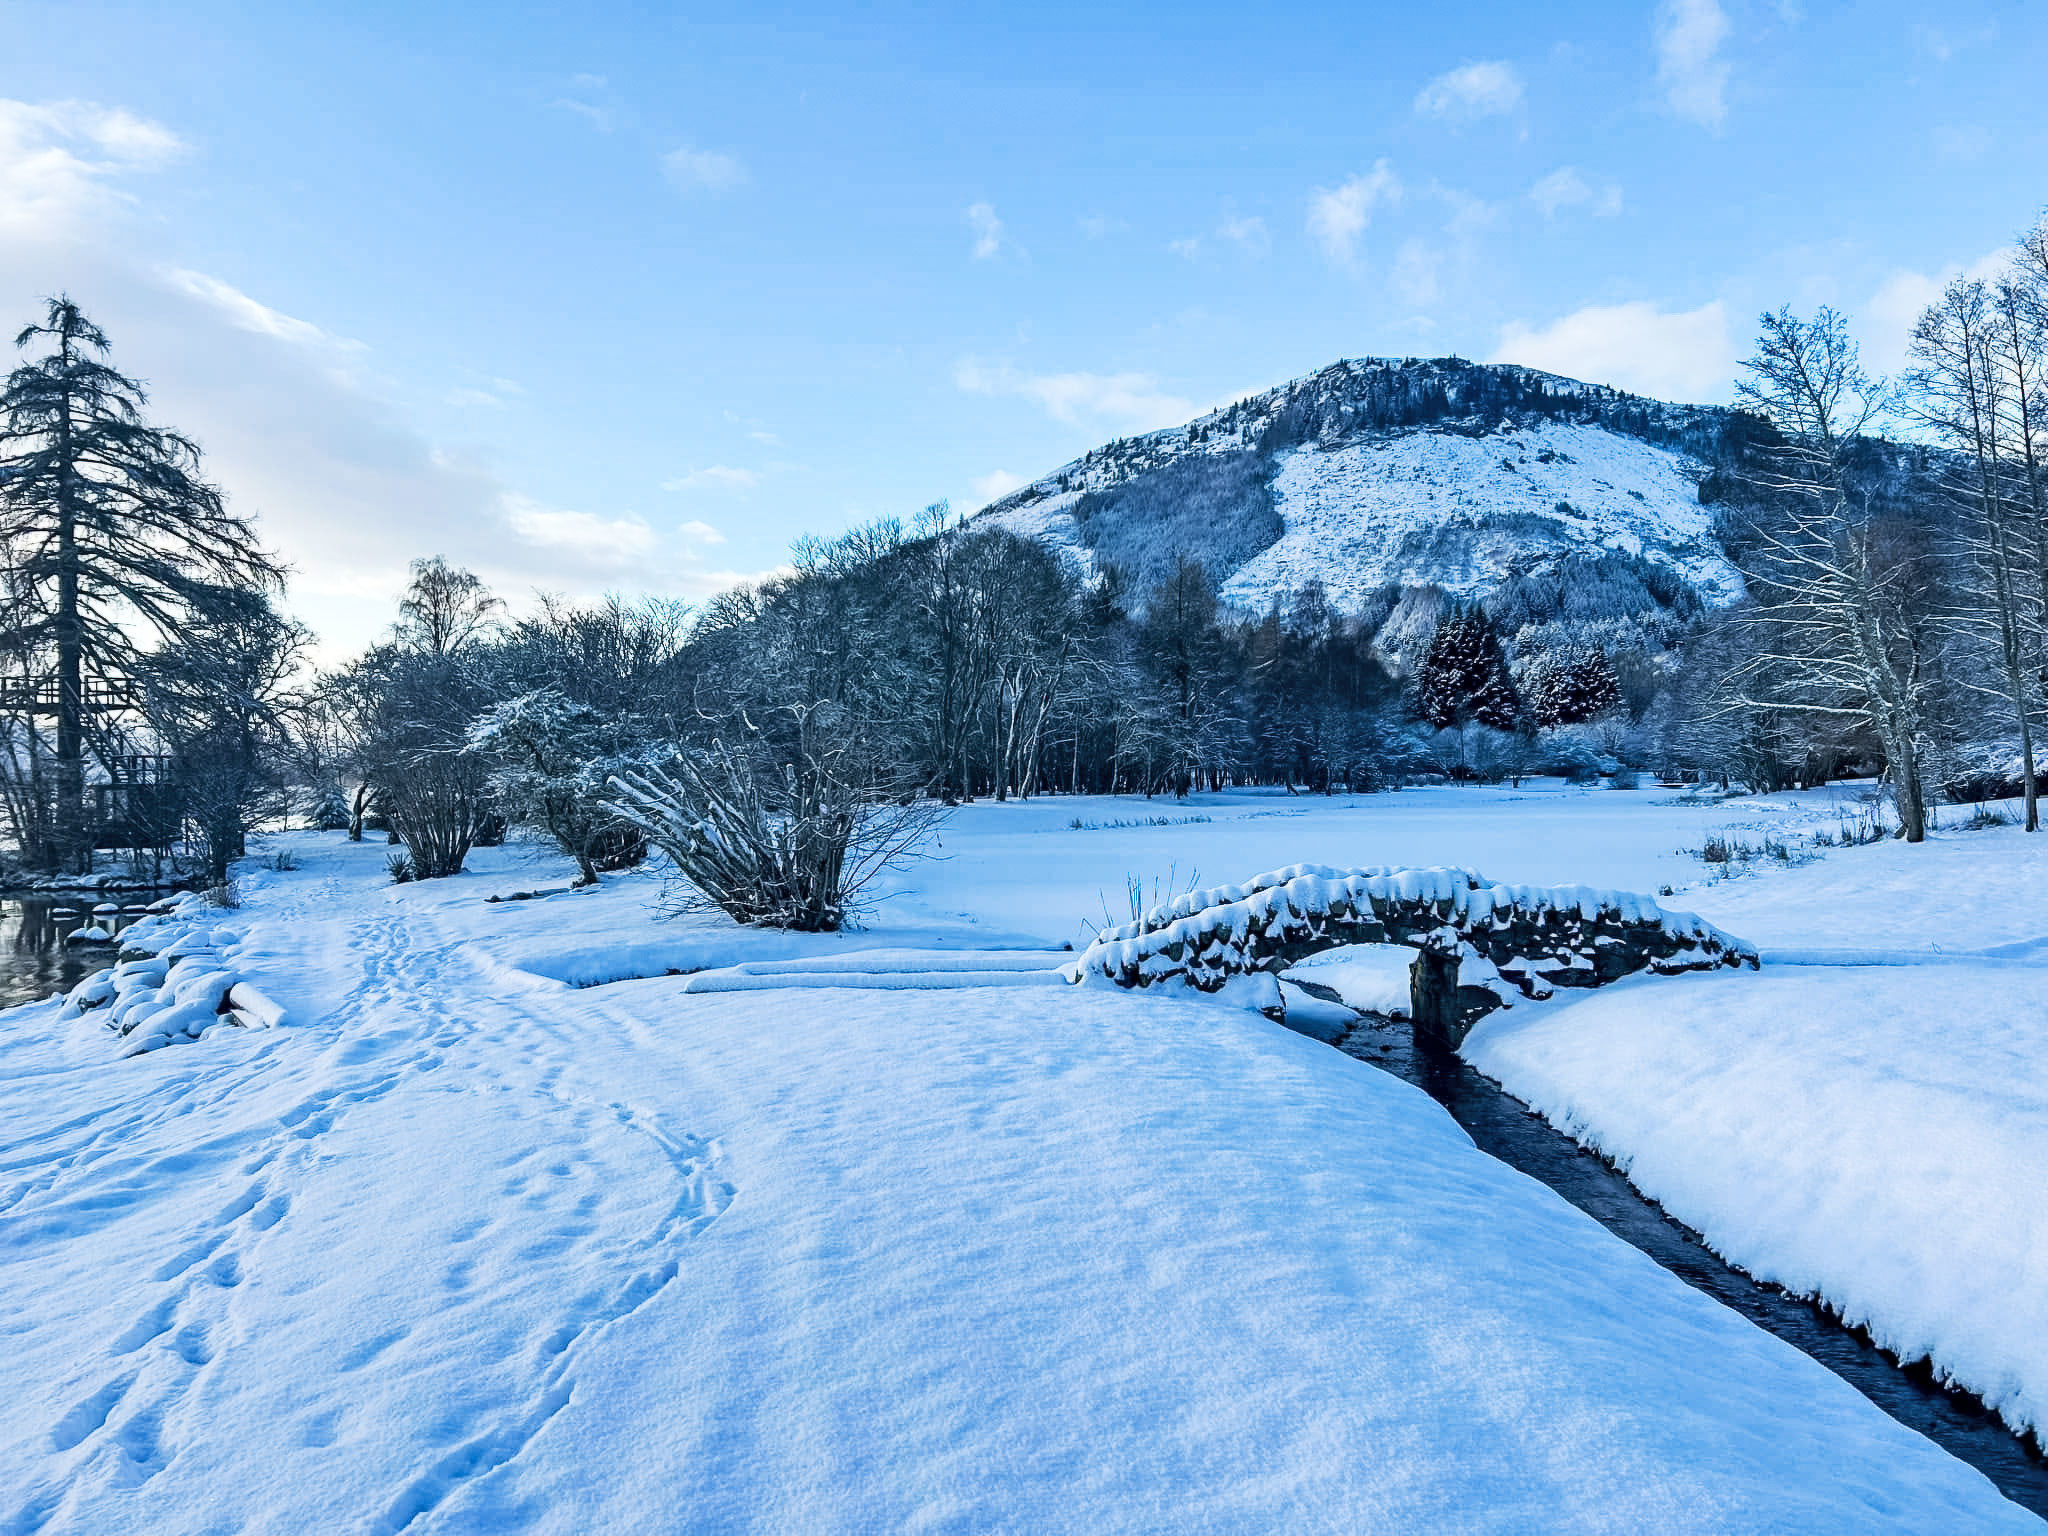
(1377, 473)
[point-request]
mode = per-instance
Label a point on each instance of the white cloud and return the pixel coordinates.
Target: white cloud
(495, 397)
(1961, 141)
(1470, 216)
(1337, 218)
(338, 479)
(57, 160)
(1125, 401)
(605, 540)
(245, 314)
(1942, 45)
(702, 169)
(988, 231)
(1485, 89)
(995, 485)
(1248, 235)
(1684, 356)
(1885, 325)
(597, 117)
(1421, 266)
(698, 532)
(1566, 188)
(717, 477)
(1689, 35)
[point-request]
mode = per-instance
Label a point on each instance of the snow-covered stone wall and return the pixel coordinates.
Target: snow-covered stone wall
(1536, 937)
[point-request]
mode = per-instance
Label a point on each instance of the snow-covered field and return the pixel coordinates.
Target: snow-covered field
(462, 1246)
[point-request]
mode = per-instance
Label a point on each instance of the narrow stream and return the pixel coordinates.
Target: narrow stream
(1509, 1130)
(36, 960)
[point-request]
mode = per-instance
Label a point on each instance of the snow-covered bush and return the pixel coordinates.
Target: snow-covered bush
(550, 759)
(330, 811)
(1575, 752)
(1475, 752)
(775, 846)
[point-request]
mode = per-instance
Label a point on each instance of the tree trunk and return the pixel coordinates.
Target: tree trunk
(74, 852)
(1906, 792)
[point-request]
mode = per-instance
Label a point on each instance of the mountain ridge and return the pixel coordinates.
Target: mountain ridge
(1374, 473)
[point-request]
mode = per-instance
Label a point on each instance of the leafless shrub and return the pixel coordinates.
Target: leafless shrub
(790, 845)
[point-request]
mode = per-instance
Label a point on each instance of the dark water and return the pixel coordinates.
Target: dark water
(34, 958)
(1509, 1130)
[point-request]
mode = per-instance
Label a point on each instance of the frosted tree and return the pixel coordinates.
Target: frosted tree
(1190, 721)
(1570, 684)
(550, 759)
(1464, 676)
(407, 708)
(445, 609)
(218, 705)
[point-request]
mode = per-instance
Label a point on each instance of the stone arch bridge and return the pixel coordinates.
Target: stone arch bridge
(1531, 939)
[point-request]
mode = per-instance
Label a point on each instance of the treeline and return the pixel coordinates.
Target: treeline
(780, 740)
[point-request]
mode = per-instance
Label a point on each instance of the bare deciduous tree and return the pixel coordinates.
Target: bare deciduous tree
(1844, 587)
(445, 608)
(1963, 386)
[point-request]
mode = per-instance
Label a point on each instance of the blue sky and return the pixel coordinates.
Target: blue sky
(610, 299)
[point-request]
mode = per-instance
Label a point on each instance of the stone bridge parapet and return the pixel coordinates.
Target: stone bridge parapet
(1536, 937)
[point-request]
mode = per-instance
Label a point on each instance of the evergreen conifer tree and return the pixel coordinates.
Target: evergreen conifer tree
(1571, 684)
(111, 539)
(1464, 675)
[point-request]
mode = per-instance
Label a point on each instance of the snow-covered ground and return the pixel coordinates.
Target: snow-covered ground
(1866, 1119)
(462, 1246)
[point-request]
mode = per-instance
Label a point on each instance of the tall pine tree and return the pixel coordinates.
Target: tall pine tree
(111, 540)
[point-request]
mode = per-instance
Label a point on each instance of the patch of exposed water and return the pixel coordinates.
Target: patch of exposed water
(37, 956)
(1509, 1130)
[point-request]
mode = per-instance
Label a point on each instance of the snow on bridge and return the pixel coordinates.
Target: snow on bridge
(1532, 938)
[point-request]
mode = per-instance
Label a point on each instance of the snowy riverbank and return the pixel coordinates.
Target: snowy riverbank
(465, 1247)
(1866, 1120)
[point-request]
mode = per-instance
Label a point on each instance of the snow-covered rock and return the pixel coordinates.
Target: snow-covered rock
(183, 986)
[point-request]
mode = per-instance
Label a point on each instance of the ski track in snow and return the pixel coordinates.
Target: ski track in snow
(124, 1429)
